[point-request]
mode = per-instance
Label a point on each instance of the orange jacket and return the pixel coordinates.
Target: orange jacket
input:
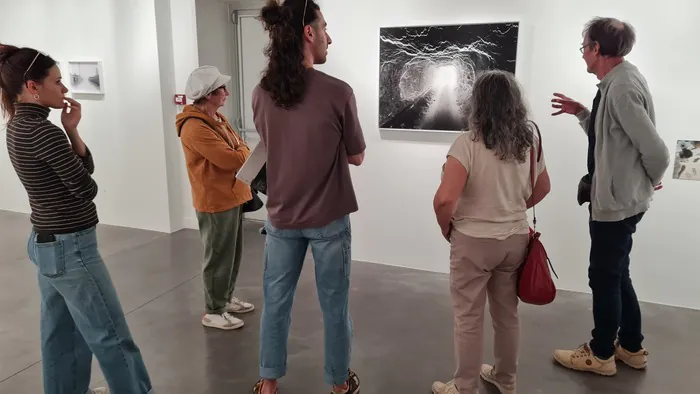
(214, 153)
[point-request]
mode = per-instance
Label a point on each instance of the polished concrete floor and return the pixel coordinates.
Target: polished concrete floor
(402, 326)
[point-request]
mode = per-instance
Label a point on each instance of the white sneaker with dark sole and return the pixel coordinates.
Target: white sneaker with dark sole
(224, 321)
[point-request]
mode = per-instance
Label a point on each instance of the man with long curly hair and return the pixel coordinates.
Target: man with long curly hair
(308, 122)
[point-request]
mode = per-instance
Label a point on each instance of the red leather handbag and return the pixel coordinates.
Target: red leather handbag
(535, 284)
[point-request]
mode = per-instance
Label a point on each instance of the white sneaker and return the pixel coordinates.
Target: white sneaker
(100, 390)
(223, 321)
(238, 306)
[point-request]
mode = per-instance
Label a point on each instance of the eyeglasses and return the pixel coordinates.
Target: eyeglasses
(583, 47)
(303, 18)
(32, 63)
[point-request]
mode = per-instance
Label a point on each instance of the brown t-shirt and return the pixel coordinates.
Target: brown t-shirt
(308, 175)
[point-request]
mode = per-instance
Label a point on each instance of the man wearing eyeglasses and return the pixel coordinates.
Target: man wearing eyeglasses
(626, 162)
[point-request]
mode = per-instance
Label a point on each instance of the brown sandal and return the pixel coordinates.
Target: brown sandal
(259, 386)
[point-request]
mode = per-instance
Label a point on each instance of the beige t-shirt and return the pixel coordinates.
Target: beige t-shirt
(493, 202)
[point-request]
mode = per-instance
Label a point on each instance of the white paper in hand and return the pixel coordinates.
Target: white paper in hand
(253, 165)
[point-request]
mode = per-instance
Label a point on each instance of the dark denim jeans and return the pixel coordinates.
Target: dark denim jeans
(285, 251)
(616, 312)
(81, 316)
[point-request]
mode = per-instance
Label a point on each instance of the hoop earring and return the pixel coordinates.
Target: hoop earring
(36, 97)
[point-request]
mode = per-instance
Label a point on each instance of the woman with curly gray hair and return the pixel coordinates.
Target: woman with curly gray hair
(481, 207)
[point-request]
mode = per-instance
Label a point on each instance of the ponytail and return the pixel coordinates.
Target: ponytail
(284, 78)
(17, 66)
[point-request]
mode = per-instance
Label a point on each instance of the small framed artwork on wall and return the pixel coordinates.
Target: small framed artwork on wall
(687, 163)
(86, 77)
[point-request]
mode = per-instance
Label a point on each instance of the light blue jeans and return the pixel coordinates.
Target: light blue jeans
(81, 316)
(284, 257)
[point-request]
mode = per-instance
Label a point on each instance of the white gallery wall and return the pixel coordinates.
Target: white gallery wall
(149, 48)
(124, 128)
(216, 32)
(395, 186)
(177, 47)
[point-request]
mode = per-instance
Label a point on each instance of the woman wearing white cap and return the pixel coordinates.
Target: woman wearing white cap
(214, 153)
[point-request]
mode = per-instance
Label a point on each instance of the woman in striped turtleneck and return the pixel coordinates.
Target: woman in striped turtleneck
(80, 311)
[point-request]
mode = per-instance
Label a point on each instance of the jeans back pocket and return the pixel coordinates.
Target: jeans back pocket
(49, 258)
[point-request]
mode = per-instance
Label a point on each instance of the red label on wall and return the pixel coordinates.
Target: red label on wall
(180, 99)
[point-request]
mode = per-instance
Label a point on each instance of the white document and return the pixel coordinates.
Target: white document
(251, 168)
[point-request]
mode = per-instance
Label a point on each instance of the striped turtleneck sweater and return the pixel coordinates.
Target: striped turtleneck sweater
(58, 181)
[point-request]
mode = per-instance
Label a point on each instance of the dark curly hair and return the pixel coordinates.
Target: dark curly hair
(284, 77)
(499, 117)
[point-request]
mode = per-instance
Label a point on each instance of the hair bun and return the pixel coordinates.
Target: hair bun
(274, 14)
(6, 51)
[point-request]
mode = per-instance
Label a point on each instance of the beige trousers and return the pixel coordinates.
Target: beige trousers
(481, 267)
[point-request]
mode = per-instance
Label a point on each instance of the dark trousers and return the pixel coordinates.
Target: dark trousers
(616, 312)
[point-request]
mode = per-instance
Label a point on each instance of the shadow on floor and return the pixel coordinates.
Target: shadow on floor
(402, 320)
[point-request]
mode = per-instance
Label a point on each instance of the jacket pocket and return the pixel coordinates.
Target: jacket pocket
(612, 190)
(603, 196)
(627, 190)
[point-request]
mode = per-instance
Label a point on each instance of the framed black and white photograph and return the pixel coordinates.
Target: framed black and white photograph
(85, 77)
(426, 73)
(687, 163)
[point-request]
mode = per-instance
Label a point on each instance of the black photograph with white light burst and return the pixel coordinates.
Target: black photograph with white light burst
(427, 72)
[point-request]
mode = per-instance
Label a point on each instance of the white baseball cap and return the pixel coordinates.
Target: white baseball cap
(204, 80)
